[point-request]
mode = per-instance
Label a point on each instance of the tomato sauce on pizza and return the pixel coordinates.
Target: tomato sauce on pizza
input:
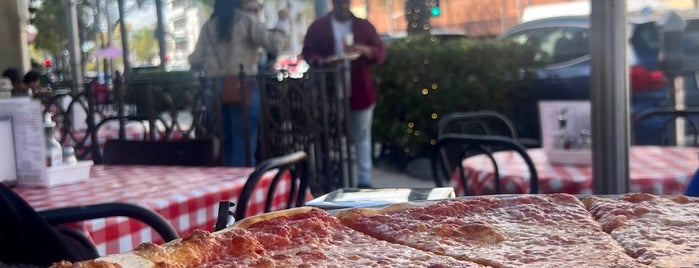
(551, 230)
(521, 231)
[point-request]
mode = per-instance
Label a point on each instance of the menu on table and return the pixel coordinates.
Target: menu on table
(8, 171)
(28, 136)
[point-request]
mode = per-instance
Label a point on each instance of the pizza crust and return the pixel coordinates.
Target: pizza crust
(128, 259)
(246, 222)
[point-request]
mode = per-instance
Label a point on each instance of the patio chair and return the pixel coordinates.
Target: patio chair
(198, 152)
(28, 237)
(451, 149)
(667, 115)
(481, 123)
(294, 165)
(478, 122)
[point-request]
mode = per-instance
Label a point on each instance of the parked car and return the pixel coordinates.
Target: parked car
(562, 43)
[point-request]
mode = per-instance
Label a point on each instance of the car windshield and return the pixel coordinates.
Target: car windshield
(555, 44)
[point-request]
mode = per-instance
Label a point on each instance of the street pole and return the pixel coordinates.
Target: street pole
(160, 33)
(417, 17)
(71, 11)
(671, 26)
(124, 38)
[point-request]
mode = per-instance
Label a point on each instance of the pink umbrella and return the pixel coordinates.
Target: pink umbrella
(110, 52)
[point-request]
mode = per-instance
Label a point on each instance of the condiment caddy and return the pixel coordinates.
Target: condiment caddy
(567, 138)
(39, 157)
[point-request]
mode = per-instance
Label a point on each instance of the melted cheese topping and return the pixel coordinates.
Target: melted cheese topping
(525, 231)
(662, 232)
(317, 239)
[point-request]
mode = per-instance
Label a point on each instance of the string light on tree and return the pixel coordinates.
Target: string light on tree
(417, 15)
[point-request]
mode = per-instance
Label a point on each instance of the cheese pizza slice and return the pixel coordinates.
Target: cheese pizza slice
(659, 231)
(300, 237)
(521, 231)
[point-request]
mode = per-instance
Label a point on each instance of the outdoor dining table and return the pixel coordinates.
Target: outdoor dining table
(187, 197)
(653, 169)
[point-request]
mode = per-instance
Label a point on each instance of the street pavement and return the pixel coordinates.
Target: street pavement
(385, 177)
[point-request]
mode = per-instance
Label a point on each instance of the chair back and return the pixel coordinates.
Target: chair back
(665, 116)
(477, 122)
(38, 238)
(198, 152)
(451, 149)
(294, 165)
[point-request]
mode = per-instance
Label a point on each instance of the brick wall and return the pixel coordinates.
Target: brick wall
(471, 17)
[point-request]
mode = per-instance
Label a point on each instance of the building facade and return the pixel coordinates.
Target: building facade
(477, 18)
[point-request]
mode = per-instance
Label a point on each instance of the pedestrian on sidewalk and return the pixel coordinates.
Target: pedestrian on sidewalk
(229, 40)
(339, 35)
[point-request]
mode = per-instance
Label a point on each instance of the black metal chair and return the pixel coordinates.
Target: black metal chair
(294, 164)
(668, 115)
(199, 152)
(478, 122)
(481, 123)
(38, 238)
(451, 149)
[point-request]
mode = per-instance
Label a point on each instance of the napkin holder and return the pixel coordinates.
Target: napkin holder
(577, 117)
(59, 175)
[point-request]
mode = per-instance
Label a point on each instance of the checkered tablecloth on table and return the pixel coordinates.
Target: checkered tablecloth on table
(186, 196)
(653, 169)
(110, 130)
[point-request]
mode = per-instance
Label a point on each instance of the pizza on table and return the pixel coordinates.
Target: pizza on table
(553, 230)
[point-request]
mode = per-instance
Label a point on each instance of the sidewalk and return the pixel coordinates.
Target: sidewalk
(384, 177)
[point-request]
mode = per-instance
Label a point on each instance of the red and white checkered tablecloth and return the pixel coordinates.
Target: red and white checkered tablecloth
(653, 169)
(186, 196)
(110, 130)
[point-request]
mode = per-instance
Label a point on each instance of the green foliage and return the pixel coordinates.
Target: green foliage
(425, 78)
(144, 45)
(50, 22)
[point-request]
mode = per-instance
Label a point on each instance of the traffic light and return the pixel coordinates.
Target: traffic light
(435, 10)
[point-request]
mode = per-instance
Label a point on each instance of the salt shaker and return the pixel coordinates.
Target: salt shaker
(54, 153)
(69, 156)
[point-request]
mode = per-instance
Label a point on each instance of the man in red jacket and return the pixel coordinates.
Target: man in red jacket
(340, 34)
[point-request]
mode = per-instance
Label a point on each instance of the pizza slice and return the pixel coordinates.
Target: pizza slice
(523, 231)
(659, 231)
(306, 237)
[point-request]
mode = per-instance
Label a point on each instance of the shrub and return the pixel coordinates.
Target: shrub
(424, 78)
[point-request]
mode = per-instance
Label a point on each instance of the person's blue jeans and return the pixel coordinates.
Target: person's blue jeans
(233, 139)
(693, 185)
(360, 133)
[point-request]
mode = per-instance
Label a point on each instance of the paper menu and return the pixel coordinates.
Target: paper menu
(28, 132)
(8, 170)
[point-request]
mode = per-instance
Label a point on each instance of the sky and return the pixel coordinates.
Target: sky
(145, 18)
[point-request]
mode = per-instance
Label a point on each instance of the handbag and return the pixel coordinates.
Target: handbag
(236, 90)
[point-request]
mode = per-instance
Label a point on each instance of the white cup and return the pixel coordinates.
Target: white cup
(349, 40)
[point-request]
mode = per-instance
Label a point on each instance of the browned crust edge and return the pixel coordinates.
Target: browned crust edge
(346, 213)
(247, 222)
